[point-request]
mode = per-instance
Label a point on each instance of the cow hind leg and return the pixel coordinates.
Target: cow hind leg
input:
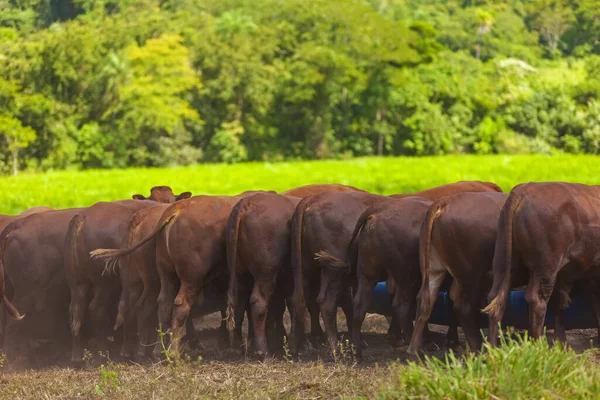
(224, 342)
(312, 285)
(426, 298)
(538, 294)
(147, 336)
(590, 289)
(465, 308)
(328, 305)
(362, 299)
(562, 299)
(168, 291)
(394, 332)
(316, 332)
(127, 315)
(467, 313)
(275, 321)
(101, 312)
(184, 300)
(190, 332)
(452, 333)
(403, 305)
(78, 307)
(347, 308)
(259, 303)
(244, 286)
(146, 313)
(16, 343)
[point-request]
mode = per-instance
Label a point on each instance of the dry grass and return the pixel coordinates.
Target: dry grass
(224, 375)
(214, 379)
(219, 374)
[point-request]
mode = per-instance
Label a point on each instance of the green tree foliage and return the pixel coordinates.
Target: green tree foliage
(552, 18)
(114, 83)
(17, 137)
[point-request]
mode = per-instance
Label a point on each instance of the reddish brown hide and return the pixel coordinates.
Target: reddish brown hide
(94, 290)
(12, 311)
(32, 256)
(258, 257)
(324, 224)
(190, 252)
(258, 254)
(550, 231)
(140, 280)
(457, 240)
(386, 242)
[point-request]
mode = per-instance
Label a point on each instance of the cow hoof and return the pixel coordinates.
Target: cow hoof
(412, 351)
(143, 358)
(158, 355)
(412, 356)
(317, 338)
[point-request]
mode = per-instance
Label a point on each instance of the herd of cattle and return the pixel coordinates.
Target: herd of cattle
(126, 270)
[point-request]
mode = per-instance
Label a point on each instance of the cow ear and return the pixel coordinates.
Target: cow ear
(184, 195)
(138, 197)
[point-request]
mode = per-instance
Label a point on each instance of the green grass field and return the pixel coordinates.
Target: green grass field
(378, 175)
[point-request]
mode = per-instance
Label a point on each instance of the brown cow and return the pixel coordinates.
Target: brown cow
(258, 257)
(140, 285)
(323, 224)
(190, 252)
(550, 230)
(457, 240)
(93, 289)
(7, 219)
(140, 281)
(32, 255)
(386, 243)
(4, 221)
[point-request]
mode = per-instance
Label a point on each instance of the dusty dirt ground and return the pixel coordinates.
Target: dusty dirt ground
(226, 374)
(376, 346)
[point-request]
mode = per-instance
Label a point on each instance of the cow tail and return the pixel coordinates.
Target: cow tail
(124, 264)
(10, 308)
(433, 212)
(503, 257)
(330, 261)
(352, 254)
(112, 256)
(296, 251)
(134, 233)
(72, 261)
(233, 227)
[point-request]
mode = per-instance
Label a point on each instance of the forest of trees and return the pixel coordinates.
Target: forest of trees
(116, 83)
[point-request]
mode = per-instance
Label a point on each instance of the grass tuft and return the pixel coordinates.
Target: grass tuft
(518, 369)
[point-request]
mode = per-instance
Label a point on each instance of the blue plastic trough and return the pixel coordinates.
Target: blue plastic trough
(577, 316)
